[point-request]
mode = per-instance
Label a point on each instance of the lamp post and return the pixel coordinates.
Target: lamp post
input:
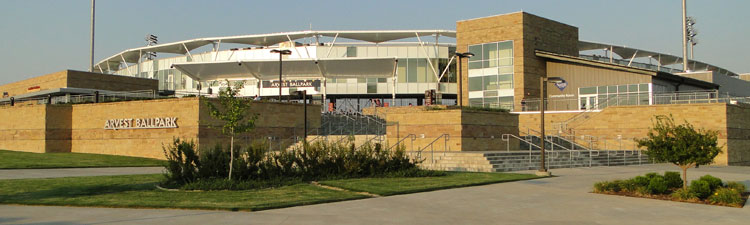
(543, 87)
(281, 54)
(460, 71)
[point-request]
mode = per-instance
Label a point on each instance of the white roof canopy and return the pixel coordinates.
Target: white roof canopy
(183, 47)
(268, 69)
(663, 59)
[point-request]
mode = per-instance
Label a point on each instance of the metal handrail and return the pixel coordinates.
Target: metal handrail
(413, 137)
(432, 149)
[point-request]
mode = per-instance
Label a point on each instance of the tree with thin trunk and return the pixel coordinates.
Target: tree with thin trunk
(680, 144)
(233, 111)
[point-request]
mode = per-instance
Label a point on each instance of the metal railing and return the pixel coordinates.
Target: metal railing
(431, 145)
(412, 136)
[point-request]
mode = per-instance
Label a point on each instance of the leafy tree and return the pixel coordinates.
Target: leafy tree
(233, 112)
(681, 144)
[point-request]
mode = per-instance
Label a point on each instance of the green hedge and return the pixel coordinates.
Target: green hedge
(707, 188)
(256, 167)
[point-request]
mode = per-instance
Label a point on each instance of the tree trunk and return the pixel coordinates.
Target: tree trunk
(684, 175)
(231, 155)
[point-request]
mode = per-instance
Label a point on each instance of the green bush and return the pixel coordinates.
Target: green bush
(628, 185)
(726, 196)
(641, 181)
(657, 185)
(607, 186)
(182, 162)
(736, 186)
(673, 179)
(712, 181)
(642, 190)
(684, 194)
(316, 161)
(652, 175)
(701, 188)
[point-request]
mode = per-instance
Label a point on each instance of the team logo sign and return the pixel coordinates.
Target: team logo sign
(562, 85)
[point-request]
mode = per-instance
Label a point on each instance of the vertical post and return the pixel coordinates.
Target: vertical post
(91, 63)
(460, 84)
(96, 96)
(12, 101)
(281, 83)
(542, 167)
(684, 36)
(304, 100)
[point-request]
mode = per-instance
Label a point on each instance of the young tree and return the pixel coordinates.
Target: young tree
(233, 112)
(681, 144)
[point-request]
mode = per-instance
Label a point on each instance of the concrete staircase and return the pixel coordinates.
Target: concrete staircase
(504, 161)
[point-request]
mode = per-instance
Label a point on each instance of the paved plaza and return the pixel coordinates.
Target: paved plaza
(564, 199)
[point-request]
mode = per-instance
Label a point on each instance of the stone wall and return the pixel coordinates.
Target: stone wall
(616, 127)
(23, 128)
(79, 79)
(466, 130)
(80, 127)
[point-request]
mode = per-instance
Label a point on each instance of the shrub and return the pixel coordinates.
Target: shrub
(684, 194)
(701, 188)
(182, 162)
(652, 176)
(712, 181)
(736, 186)
(657, 185)
(607, 186)
(641, 181)
(628, 185)
(673, 179)
(726, 196)
(642, 190)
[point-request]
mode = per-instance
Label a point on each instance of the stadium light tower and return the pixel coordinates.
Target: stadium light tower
(684, 36)
(150, 41)
(91, 63)
(691, 33)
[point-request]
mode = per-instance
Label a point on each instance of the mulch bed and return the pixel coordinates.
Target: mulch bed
(668, 197)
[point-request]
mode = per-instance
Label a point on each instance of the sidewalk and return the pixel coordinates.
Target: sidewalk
(559, 200)
(75, 172)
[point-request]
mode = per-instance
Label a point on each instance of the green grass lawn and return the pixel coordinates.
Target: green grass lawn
(139, 191)
(28, 160)
(394, 186)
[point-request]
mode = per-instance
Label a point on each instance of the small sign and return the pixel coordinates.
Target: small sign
(141, 123)
(561, 85)
(291, 83)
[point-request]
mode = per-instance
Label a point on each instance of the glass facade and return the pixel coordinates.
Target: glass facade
(491, 75)
(602, 96)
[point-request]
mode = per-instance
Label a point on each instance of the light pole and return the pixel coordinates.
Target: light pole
(460, 71)
(91, 65)
(684, 36)
(543, 87)
(281, 54)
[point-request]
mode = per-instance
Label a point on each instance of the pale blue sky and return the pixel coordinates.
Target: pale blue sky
(44, 36)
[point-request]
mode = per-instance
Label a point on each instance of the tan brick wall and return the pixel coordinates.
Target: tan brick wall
(467, 130)
(528, 33)
(49, 81)
(80, 79)
(22, 128)
(631, 122)
(80, 128)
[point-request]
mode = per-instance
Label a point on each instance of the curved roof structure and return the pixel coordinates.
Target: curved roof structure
(374, 36)
(184, 47)
(661, 58)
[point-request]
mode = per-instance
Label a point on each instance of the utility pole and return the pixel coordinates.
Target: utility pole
(91, 63)
(684, 36)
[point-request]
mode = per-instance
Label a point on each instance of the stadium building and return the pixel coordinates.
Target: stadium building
(599, 97)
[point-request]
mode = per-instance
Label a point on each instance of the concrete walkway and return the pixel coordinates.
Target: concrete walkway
(75, 172)
(560, 200)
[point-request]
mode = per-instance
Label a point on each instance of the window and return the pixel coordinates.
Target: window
(351, 51)
(475, 83)
(491, 70)
(372, 88)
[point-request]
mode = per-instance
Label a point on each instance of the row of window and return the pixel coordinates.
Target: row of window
(503, 102)
(491, 82)
(490, 55)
